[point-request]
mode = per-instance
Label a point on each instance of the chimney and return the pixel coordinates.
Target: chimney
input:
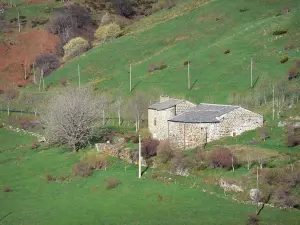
(164, 98)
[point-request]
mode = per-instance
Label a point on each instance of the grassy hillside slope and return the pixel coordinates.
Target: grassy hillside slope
(75, 200)
(199, 31)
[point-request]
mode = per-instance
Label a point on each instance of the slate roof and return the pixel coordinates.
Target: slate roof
(204, 113)
(165, 105)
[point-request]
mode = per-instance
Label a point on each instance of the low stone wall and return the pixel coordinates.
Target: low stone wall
(116, 150)
(40, 138)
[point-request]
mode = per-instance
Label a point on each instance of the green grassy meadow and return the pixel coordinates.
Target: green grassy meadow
(86, 201)
(199, 31)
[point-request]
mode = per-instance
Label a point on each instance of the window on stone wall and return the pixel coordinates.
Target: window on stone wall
(154, 121)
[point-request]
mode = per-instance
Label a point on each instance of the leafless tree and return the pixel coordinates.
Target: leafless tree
(261, 161)
(118, 104)
(248, 162)
(33, 101)
(138, 108)
(72, 117)
(104, 107)
(7, 97)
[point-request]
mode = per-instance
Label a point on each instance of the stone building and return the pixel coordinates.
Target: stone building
(187, 125)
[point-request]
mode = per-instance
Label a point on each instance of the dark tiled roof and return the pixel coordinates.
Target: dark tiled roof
(204, 113)
(165, 105)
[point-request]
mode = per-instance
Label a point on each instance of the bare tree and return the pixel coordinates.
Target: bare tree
(33, 101)
(248, 162)
(104, 107)
(119, 102)
(138, 107)
(7, 97)
(261, 161)
(72, 117)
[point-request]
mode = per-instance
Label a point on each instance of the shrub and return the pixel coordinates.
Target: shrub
(200, 161)
(36, 21)
(50, 178)
(96, 161)
(123, 7)
(149, 148)
(26, 123)
(112, 183)
(7, 189)
(243, 10)
(35, 145)
(284, 59)
(70, 22)
(152, 67)
(134, 139)
(186, 62)
(82, 169)
(292, 136)
(179, 163)
(252, 219)
(222, 158)
(164, 152)
(263, 133)
(48, 62)
(163, 4)
(108, 32)
(64, 82)
(227, 51)
(280, 32)
(75, 47)
(284, 199)
(1, 125)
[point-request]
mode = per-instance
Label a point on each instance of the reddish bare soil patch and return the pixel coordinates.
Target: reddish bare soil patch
(17, 57)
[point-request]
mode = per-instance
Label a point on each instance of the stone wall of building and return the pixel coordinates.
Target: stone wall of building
(187, 135)
(184, 106)
(158, 122)
(191, 135)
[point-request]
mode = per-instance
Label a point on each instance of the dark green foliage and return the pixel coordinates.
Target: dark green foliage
(244, 10)
(186, 62)
(280, 32)
(112, 183)
(278, 14)
(284, 59)
(36, 21)
(227, 51)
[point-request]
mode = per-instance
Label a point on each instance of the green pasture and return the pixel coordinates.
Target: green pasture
(86, 201)
(200, 34)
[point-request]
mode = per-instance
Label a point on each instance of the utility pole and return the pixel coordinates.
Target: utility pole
(257, 200)
(140, 157)
(43, 80)
(19, 22)
(25, 72)
(251, 73)
(130, 78)
(189, 81)
(34, 80)
(78, 76)
(273, 103)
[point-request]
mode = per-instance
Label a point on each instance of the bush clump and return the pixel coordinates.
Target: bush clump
(252, 219)
(244, 10)
(108, 32)
(292, 136)
(227, 51)
(50, 178)
(279, 32)
(96, 161)
(36, 21)
(222, 158)
(149, 148)
(164, 152)
(163, 4)
(186, 62)
(152, 67)
(284, 59)
(7, 189)
(75, 47)
(48, 62)
(82, 169)
(35, 145)
(112, 183)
